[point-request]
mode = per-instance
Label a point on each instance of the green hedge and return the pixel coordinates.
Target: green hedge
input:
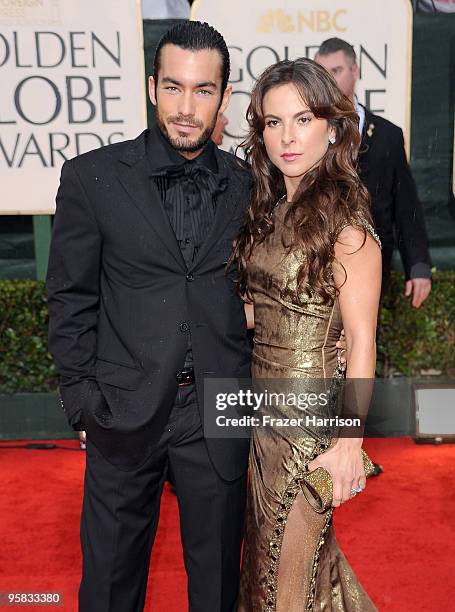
(415, 341)
(409, 341)
(25, 364)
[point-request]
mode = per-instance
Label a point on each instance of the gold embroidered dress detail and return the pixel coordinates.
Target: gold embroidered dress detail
(290, 551)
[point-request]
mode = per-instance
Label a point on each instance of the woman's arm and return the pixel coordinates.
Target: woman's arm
(249, 313)
(357, 274)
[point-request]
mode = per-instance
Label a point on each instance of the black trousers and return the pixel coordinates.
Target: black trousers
(120, 515)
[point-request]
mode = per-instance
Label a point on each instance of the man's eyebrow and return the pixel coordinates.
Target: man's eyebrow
(207, 84)
(304, 112)
(168, 79)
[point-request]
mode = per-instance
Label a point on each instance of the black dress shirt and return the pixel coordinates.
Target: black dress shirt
(188, 190)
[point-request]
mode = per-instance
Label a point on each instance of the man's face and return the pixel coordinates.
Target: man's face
(187, 96)
(342, 69)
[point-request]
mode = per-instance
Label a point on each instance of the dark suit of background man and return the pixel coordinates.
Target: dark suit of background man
(397, 211)
(141, 311)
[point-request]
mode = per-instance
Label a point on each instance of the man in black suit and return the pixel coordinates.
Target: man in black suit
(397, 211)
(142, 310)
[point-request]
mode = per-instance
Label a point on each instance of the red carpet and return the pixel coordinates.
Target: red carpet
(399, 535)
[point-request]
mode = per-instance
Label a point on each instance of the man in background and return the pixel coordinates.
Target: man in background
(396, 208)
(218, 133)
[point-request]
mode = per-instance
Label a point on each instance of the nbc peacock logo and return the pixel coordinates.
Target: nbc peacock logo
(278, 19)
(310, 21)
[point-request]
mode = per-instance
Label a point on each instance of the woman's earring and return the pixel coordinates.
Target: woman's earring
(332, 139)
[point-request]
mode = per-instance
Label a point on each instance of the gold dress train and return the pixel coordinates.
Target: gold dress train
(291, 560)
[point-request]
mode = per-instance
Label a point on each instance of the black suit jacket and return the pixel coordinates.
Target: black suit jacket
(122, 302)
(397, 211)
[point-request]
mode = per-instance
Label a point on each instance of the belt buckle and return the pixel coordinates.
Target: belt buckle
(185, 384)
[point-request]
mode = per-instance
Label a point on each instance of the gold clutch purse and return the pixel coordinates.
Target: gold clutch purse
(317, 486)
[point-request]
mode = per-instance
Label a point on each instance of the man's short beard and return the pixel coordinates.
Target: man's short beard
(182, 144)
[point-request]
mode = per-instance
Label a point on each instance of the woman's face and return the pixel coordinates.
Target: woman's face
(295, 140)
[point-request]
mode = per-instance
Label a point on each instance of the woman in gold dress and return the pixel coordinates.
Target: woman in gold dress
(310, 264)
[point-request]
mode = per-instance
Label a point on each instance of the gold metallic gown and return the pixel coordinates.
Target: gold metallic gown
(291, 560)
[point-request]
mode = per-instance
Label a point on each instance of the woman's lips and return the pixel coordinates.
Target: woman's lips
(289, 157)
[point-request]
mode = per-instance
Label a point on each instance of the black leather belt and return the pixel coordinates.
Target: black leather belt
(185, 377)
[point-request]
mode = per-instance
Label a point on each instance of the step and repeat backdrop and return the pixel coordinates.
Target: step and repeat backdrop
(260, 33)
(72, 79)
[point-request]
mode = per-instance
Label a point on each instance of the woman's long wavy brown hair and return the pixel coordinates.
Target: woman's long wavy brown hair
(330, 195)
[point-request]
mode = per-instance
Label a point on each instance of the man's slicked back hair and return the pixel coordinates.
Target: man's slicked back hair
(195, 36)
(333, 45)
